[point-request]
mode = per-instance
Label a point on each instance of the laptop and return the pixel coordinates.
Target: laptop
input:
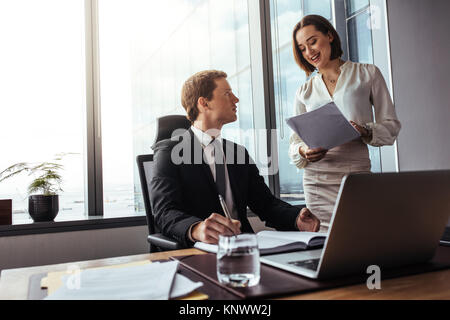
(383, 219)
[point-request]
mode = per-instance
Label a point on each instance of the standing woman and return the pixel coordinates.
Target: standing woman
(354, 88)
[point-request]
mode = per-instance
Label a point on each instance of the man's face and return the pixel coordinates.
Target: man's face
(222, 107)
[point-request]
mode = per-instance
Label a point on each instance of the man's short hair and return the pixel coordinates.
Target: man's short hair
(201, 84)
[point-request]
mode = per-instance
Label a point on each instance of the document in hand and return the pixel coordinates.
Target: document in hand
(325, 127)
(270, 242)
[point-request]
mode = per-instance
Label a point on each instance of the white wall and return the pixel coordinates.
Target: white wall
(51, 248)
(420, 56)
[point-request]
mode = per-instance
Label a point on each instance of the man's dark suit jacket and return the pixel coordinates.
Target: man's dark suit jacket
(183, 191)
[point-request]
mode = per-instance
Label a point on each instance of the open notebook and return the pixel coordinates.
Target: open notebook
(270, 242)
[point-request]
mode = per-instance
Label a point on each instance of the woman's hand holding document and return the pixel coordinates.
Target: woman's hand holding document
(323, 128)
(312, 155)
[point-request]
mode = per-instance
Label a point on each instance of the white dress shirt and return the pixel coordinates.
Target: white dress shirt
(209, 154)
(358, 88)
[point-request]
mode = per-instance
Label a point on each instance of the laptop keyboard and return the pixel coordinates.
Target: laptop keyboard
(311, 264)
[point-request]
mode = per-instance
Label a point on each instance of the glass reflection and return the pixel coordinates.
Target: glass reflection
(287, 78)
(355, 5)
(168, 41)
(322, 8)
(360, 39)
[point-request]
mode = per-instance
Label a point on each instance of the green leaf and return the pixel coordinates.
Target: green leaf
(14, 170)
(49, 178)
(37, 185)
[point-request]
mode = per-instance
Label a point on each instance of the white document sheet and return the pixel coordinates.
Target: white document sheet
(325, 127)
(153, 281)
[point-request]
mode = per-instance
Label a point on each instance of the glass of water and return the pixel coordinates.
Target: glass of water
(238, 260)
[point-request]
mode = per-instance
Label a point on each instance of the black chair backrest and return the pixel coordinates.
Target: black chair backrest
(145, 164)
(157, 241)
(166, 125)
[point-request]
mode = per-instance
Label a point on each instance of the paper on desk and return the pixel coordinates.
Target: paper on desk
(155, 281)
(212, 248)
(183, 286)
(325, 127)
(53, 281)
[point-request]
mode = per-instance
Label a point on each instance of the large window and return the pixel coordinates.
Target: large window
(360, 48)
(144, 61)
(287, 78)
(42, 100)
(356, 33)
(91, 77)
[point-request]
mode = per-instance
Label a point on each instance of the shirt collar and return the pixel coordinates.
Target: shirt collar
(342, 67)
(204, 137)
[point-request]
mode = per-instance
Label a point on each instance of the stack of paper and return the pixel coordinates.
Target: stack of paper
(154, 281)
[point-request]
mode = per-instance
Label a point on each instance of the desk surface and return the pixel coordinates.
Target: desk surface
(431, 285)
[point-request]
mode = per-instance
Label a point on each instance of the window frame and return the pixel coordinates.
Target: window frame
(388, 154)
(94, 192)
(262, 78)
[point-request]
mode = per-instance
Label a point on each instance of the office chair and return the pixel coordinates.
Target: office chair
(165, 126)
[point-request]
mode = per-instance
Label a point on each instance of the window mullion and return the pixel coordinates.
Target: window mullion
(340, 23)
(93, 106)
(263, 81)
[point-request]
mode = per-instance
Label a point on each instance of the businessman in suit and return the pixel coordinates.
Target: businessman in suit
(191, 170)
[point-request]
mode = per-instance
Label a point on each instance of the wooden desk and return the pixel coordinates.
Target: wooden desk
(432, 285)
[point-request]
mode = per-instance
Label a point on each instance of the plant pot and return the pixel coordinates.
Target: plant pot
(43, 208)
(5, 211)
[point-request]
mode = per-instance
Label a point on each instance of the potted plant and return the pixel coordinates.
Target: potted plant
(43, 200)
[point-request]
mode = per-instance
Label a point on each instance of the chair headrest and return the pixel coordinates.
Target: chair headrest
(166, 125)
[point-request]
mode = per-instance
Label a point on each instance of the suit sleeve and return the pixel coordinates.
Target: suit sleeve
(277, 213)
(167, 200)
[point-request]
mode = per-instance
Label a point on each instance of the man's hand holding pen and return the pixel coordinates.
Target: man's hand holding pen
(208, 231)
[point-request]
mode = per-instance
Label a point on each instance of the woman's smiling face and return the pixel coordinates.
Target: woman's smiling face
(314, 46)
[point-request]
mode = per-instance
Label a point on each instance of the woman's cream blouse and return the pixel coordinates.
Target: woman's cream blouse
(358, 88)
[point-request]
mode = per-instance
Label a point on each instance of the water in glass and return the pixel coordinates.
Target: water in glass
(238, 260)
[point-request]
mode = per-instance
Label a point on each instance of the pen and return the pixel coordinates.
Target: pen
(225, 208)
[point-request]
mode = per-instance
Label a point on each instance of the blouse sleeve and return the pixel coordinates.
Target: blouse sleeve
(386, 127)
(295, 142)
